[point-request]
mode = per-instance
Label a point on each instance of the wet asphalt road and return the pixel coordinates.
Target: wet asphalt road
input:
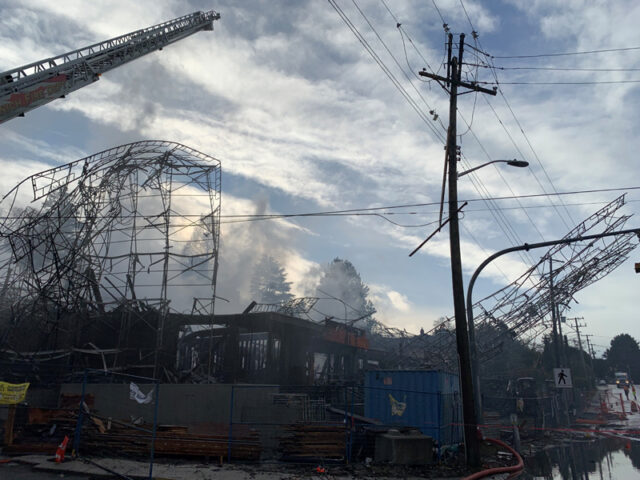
(15, 471)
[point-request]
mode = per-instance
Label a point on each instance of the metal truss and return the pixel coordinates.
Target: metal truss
(30, 86)
(122, 238)
(294, 307)
(518, 310)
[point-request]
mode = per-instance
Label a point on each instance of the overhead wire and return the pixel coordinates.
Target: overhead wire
(522, 156)
(562, 69)
(500, 219)
(438, 135)
(407, 205)
(586, 52)
(391, 54)
(590, 82)
(495, 75)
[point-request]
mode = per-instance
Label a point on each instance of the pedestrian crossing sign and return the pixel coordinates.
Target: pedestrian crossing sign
(562, 377)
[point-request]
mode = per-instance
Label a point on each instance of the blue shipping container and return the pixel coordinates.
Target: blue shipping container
(425, 399)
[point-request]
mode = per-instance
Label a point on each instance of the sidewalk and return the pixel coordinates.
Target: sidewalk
(165, 471)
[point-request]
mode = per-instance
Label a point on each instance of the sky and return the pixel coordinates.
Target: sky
(304, 120)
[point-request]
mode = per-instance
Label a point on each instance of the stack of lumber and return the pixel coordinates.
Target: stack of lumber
(41, 430)
(172, 440)
(311, 441)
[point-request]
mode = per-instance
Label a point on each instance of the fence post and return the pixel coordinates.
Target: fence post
(439, 420)
(155, 428)
(346, 424)
(230, 425)
(351, 422)
(76, 438)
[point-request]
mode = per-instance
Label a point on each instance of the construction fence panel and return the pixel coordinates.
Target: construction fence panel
(330, 423)
(99, 434)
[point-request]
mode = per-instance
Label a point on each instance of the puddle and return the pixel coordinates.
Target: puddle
(602, 459)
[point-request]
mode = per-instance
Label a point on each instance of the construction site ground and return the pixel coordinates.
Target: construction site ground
(37, 467)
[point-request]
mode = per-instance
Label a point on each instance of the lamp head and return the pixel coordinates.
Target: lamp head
(518, 163)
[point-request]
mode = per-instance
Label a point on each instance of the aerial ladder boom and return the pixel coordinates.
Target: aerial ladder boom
(31, 86)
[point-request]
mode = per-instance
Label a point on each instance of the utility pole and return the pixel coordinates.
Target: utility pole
(450, 84)
(584, 366)
(563, 357)
(556, 346)
(590, 347)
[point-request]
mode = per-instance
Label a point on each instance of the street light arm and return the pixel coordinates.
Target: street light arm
(527, 247)
(513, 163)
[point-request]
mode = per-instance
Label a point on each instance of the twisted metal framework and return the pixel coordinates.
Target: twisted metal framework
(120, 238)
(519, 309)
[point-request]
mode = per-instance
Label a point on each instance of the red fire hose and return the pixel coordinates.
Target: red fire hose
(493, 471)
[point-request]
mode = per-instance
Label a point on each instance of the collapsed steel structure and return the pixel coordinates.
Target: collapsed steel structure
(98, 256)
(106, 247)
(519, 309)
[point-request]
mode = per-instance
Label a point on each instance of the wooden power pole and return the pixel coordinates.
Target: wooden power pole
(450, 84)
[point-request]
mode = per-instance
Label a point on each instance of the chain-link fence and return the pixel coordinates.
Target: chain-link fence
(99, 433)
(125, 416)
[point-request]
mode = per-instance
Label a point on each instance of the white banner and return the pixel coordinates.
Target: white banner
(136, 394)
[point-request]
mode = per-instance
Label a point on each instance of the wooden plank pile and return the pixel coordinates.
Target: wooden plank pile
(306, 441)
(171, 441)
(37, 430)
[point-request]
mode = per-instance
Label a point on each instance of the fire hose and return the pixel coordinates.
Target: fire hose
(492, 471)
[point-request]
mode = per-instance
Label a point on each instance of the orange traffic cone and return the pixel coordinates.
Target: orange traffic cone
(61, 449)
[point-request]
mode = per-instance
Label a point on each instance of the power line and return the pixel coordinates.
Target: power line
(603, 82)
(586, 52)
(495, 75)
(408, 205)
(480, 51)
(476, 181)
(392, 55)
(526, 137)
(439, 14)
(438, 135)
(562, 69)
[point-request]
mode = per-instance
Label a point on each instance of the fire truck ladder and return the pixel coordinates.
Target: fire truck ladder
(31, 86)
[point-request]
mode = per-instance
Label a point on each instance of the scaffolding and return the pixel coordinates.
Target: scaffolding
(519, 310)
(98, 252)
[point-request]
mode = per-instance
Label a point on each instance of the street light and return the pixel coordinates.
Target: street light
(527, 246)
(513, 163)
(465, 336)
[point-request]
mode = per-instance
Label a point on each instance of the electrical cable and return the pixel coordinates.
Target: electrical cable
(438, 10)
(522, 156)
(591, 82)
(517, 122)
(504, 98)
(407, 205)
(438, 135)
(392, 55)
(563, 69)
(608, 50)
(501, 220)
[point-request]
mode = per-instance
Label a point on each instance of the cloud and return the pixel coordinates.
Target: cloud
(297, 110)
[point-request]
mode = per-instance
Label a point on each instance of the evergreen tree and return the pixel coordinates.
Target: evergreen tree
(269, 283)
(341, 280)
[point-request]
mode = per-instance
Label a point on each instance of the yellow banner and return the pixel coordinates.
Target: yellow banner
(12, 393)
